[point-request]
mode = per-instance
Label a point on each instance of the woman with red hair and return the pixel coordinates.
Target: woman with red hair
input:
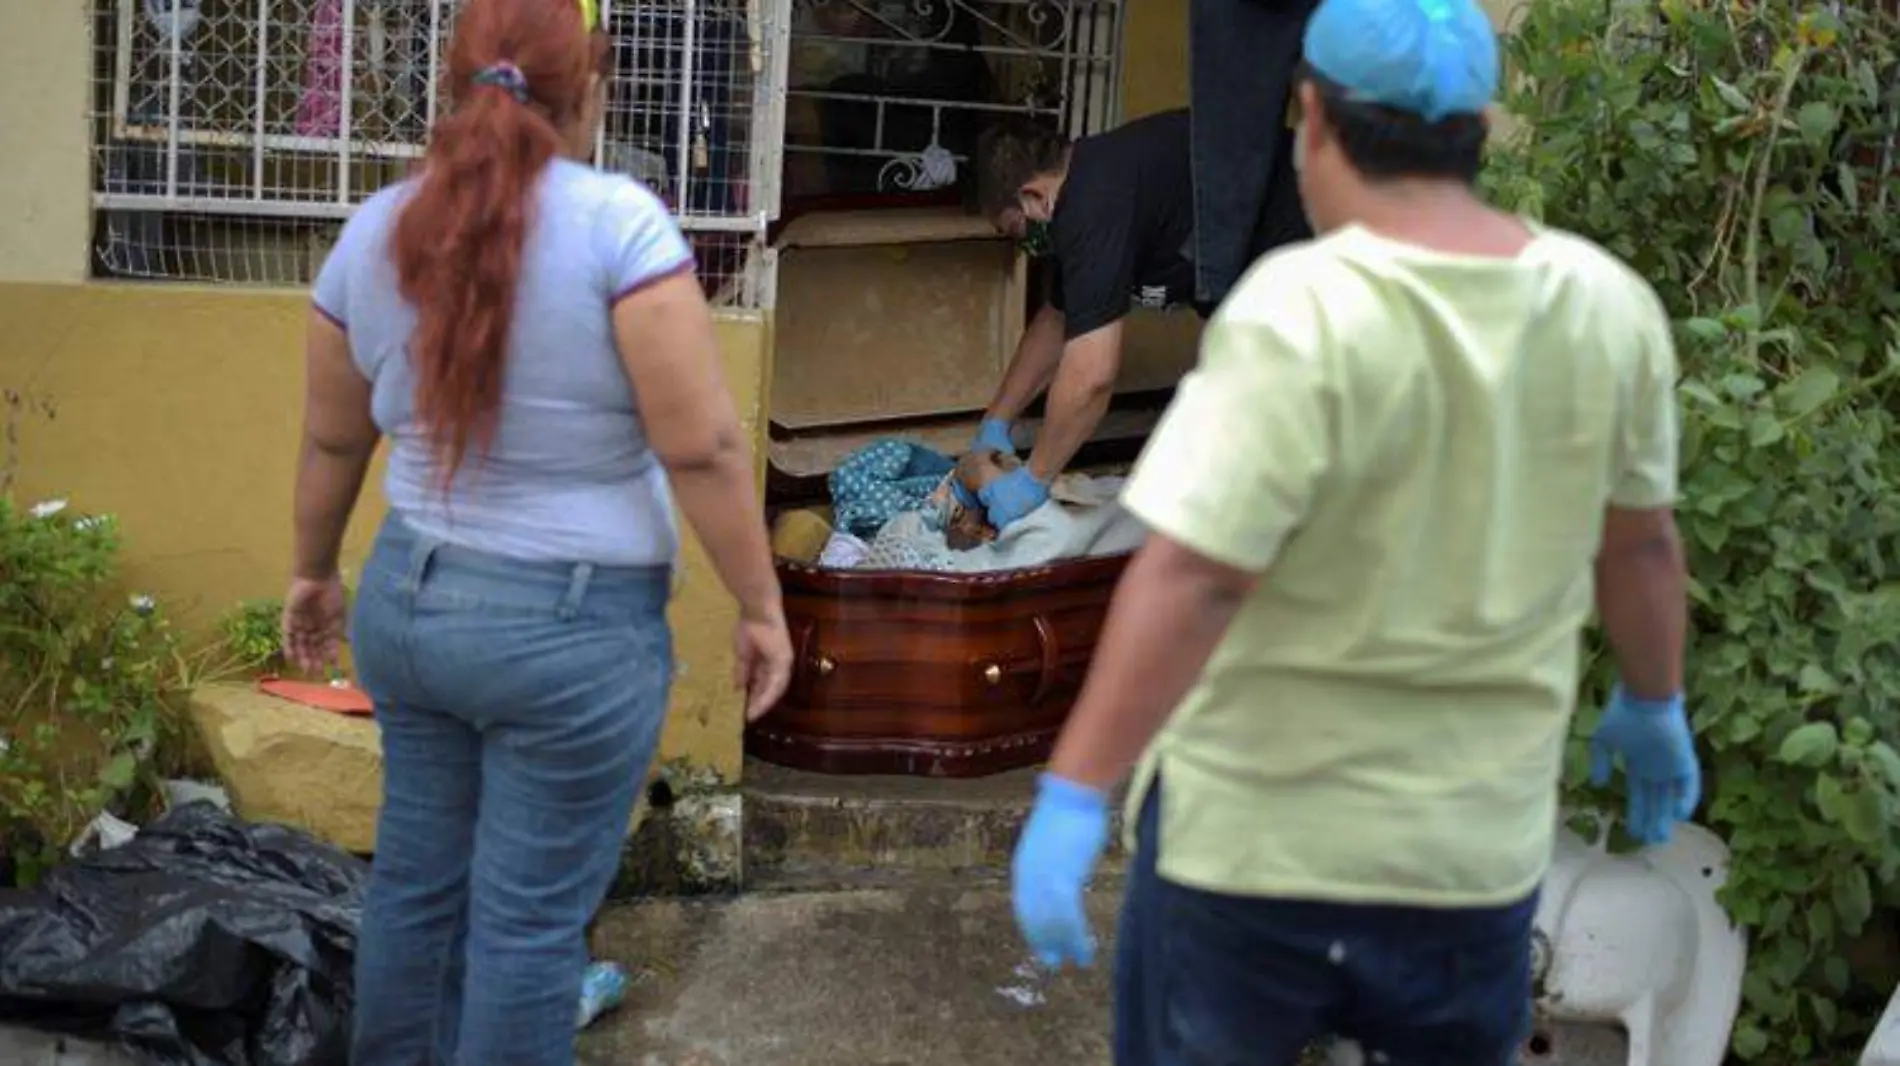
(528, 333)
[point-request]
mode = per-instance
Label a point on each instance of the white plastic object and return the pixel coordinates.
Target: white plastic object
(180, 791)
(1883, 1048)
(1637, 943)
(103, 833)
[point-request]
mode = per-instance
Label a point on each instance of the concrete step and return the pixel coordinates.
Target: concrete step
(812, 832)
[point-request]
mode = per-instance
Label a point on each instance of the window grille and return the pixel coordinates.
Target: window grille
(233, 137)
(888, 96)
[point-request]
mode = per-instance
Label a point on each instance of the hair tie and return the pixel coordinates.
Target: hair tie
(506, 77)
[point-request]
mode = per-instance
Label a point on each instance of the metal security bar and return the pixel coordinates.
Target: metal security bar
(263, 123)
(889, 95)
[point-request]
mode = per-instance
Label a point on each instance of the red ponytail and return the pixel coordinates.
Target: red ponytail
(457, 247)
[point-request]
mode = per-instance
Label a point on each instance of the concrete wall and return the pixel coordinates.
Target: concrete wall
(1155, 57)
(45, 87)
(177, 410)
(177, 407)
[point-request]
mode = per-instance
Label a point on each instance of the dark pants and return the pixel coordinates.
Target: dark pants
(1242, 58)
(1212, 980)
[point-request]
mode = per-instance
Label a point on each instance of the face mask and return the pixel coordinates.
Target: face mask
(1036, 242)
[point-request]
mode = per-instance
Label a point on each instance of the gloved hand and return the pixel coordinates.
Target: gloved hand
(1060, 845)
(1012, 496)
(1652, 739)
(994, 433)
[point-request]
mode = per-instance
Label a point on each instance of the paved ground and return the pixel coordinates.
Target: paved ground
(890, 976)
(896, 977)
(884, 977)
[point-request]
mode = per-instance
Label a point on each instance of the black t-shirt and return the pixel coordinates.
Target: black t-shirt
(1123, 231)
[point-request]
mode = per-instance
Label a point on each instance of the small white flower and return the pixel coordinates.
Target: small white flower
(108, 663)
(91, 522)
(47, 508)
(5, 745)
(144, 604)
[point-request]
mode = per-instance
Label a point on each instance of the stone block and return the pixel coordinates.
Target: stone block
(319, 771)
(322, 772)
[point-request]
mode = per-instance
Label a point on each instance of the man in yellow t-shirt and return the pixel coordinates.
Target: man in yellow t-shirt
(1413, 452)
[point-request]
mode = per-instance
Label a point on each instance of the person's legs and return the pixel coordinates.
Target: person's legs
(407, 951)
(1443, 987)
(1137, 954)
(559, 778)
(1211, 980)
(410, 936)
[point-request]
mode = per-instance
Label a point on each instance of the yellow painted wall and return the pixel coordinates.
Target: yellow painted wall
(177, 410)
(1154, 57)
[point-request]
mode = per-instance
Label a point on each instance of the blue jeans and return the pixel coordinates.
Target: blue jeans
(1212, 980)
(519, 705)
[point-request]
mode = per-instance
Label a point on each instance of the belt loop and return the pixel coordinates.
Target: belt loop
(420, 555)
(577, 589)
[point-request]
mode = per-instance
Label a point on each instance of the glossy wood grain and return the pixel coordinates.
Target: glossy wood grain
(941, 675)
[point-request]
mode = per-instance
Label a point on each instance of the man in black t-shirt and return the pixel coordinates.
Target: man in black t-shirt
(1115, 213)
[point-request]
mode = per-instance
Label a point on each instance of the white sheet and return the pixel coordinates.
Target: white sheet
(1052, 532)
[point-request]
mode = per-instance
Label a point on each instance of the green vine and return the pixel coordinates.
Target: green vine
(1741, 156)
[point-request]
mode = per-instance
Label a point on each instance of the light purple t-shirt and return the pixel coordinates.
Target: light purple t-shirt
(570, 477)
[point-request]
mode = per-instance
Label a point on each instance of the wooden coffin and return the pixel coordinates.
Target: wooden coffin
(900, 324)
(938, 675)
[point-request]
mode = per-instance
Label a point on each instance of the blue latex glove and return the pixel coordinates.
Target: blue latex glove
(1653, 741)
(1012, 496)
(1060, 845)
(994, 433)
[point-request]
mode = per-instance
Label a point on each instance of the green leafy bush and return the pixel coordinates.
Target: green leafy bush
(253, 636)
(91, 679)
(1741, 157)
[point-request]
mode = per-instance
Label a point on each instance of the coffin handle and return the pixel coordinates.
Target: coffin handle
(1046, 674)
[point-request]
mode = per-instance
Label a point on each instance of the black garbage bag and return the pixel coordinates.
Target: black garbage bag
(203, 941)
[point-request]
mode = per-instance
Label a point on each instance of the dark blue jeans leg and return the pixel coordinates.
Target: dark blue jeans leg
(1207, 980)
(1442, 987)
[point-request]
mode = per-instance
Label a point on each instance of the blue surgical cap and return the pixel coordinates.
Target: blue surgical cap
(1432, 58)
